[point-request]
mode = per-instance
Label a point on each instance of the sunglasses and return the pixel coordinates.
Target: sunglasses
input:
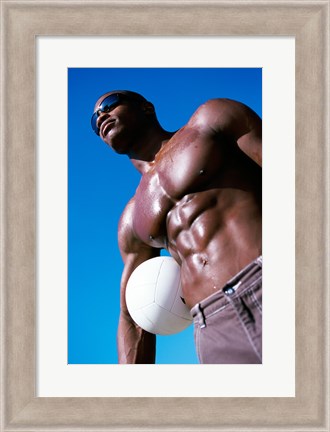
(107, 104)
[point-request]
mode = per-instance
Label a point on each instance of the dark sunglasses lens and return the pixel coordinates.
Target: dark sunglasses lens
(106, 105)
(109, 102)
(93, 123)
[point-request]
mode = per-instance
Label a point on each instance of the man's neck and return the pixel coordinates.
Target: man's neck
(144, 153)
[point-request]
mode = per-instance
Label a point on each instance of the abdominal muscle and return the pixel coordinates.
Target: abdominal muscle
(213, 235)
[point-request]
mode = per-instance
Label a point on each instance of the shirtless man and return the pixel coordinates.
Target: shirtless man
(200, 198)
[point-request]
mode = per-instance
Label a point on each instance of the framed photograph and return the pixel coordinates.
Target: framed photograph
(88, 181)
(95, 173)
(24, 407)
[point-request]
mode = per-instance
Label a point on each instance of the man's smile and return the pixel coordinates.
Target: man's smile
(106, 127)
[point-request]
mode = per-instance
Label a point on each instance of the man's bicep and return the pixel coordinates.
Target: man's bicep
(245, 126)
(135, 345)
(235, 121)
(130, 246)
(133, 251)
(251, 144)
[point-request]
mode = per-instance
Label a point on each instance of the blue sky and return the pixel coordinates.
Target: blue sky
(101, 182)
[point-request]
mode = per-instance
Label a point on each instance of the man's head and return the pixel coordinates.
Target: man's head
(120, 117)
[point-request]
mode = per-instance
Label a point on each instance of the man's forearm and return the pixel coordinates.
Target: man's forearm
(135, 346)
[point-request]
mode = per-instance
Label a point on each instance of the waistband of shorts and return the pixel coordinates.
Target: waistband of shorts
(232, 287)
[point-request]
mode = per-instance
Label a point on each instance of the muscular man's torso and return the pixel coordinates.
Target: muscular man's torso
(201, 200)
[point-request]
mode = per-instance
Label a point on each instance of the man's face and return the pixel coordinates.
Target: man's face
(121, 123)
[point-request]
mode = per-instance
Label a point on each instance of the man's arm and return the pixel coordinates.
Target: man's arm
(135, 345)
(235, 120)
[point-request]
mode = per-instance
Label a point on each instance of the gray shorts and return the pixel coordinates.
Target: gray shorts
(228, 324)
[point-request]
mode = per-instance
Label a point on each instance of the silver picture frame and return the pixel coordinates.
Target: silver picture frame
(21, 23)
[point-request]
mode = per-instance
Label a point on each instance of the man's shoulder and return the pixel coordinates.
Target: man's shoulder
(221, 115)
(218, 102)
(217, 106)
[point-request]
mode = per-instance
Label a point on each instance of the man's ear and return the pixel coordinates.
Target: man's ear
(148, 108)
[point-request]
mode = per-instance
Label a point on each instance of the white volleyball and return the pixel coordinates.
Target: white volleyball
(154, 297)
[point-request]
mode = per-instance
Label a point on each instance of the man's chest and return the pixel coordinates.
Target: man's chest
(186, 165)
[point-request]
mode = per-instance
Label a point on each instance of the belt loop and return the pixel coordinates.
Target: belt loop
(201, 317)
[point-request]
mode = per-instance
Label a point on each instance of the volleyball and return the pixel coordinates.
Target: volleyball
(154, 297)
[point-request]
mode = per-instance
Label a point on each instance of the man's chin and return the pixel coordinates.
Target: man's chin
(117, 147)
(119, 151)
(117, 141)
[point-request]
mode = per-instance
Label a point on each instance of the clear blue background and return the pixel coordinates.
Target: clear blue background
(101, 183)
